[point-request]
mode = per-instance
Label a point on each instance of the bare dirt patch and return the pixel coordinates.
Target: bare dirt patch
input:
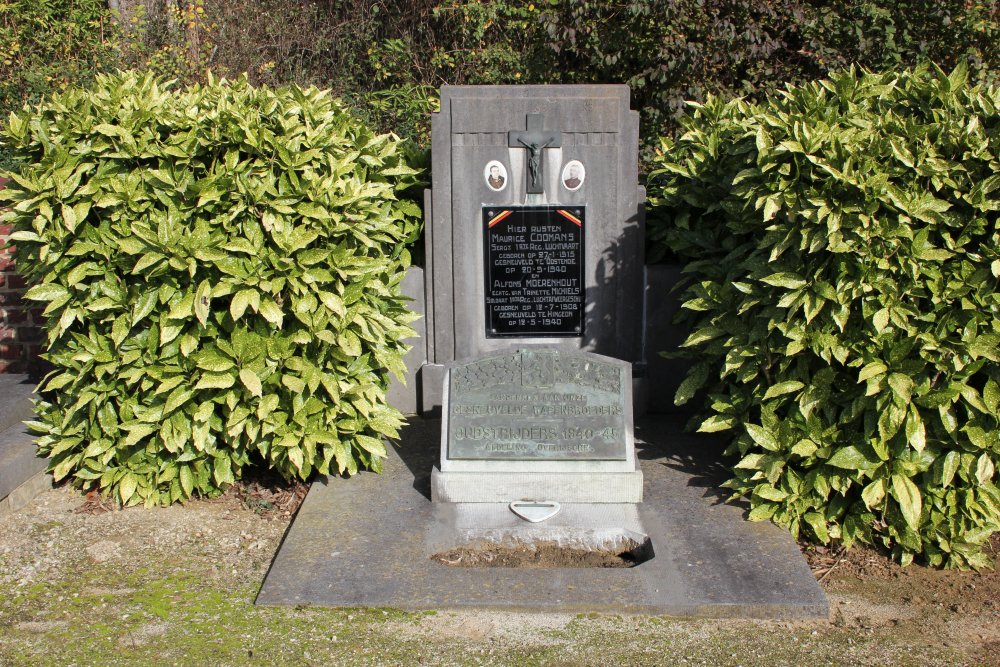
(936, 608)
(543, 555)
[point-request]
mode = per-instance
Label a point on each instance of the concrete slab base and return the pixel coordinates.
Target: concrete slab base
(578, 526)
(16, 392)
(25, 493)
(19, 463)
(565, 487)
(367, 541)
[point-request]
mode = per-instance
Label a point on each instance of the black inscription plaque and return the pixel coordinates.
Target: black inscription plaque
(534, 270)
(539, 404)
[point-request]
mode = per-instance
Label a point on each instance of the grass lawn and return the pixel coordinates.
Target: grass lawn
(81, 586)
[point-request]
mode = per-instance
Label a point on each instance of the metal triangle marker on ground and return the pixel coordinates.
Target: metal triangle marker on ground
(535, 511)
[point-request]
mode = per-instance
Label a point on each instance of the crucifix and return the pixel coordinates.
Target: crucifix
(535, 140)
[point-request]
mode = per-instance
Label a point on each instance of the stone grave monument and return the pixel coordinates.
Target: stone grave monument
(534, 225)
(535, 310)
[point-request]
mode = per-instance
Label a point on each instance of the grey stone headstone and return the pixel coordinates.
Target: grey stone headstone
(553, 148)
(538, 424)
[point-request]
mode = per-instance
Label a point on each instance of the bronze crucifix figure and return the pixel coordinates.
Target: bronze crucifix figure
(535, 140)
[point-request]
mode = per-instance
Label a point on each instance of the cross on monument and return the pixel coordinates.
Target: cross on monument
(535, 140)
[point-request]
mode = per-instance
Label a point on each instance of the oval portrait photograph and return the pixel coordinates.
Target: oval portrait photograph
(495, 175)
(573, 175)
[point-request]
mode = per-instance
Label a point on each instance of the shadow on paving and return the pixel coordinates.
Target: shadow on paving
(662, 438)
(418, 448)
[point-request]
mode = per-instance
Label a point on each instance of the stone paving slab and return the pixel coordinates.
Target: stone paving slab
(18, 459)
(367, 541)
(16, 392)
(21, 470)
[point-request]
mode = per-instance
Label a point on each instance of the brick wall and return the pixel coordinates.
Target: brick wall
(20, 325)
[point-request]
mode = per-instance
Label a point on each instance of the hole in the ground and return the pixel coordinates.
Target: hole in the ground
(546, 554)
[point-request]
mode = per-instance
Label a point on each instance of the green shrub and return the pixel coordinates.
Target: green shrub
(844, 302)
(668, 52)
(404, 110)
(46, 46)
(671, 52)
(221, 268)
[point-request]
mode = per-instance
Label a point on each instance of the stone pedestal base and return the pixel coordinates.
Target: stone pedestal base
(563, 487)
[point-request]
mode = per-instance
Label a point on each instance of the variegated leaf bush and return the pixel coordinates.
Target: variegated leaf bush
(844, 254)
(220, 268)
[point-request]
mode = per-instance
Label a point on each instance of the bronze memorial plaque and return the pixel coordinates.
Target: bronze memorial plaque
(537, 404)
